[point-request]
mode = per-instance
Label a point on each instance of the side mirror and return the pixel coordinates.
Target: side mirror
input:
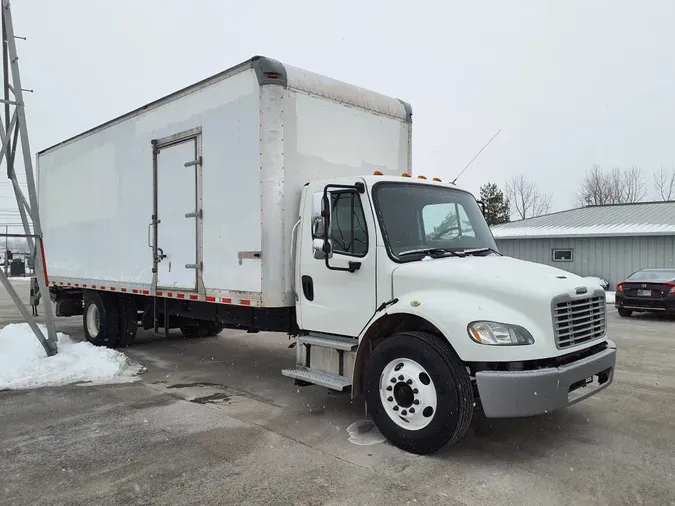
(318, 228)
(322, 248)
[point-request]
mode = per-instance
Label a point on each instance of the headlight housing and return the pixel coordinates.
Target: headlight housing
(499, 334)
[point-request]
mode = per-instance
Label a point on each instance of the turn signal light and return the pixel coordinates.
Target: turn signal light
(619, 288)
(405, 174)
(672, 288)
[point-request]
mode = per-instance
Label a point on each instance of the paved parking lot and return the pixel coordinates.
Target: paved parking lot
(214, 422)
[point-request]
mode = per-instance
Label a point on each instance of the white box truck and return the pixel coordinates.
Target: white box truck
(270, 198)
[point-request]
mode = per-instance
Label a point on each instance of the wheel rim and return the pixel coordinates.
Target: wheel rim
(408, 394)
(93, 320)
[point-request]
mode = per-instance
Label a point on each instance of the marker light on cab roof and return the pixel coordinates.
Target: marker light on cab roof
(405, 174)
(438, 179)
(378, 173)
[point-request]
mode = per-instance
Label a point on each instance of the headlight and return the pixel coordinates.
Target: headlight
(500, 334)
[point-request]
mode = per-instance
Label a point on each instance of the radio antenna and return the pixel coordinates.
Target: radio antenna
(481, 150)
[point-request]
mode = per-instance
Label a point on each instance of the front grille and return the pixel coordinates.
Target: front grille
(577, 321)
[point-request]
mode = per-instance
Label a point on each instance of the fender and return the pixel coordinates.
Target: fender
(420, 310)
(396, 318)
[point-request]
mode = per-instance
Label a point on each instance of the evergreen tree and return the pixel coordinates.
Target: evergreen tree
(496, 206)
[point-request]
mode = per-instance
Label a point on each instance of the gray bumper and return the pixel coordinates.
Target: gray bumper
(511, 394)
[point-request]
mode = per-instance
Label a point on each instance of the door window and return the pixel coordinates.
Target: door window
(348, 225)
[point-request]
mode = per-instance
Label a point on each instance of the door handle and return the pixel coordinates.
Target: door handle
(149, 240)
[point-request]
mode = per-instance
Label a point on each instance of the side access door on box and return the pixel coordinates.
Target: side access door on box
(177, 218)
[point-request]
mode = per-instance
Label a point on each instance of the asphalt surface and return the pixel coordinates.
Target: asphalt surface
(213, 422)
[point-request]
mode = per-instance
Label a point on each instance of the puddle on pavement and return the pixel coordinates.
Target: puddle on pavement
(198, 384)
(212, 399)
(364, 433)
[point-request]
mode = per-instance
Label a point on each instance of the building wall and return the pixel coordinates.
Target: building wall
(611, 258)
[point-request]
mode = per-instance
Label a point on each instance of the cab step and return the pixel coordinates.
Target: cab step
(317, 377)
(334, 342)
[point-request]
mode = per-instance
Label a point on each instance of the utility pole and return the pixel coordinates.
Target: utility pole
(14, 132)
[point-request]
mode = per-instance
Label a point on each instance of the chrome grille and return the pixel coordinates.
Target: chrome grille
(577, 321)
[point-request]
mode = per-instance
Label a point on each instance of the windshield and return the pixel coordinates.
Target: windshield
(423, 217)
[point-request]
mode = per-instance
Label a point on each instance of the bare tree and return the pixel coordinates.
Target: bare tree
(617, 186)
(664, 183)
(525, 198)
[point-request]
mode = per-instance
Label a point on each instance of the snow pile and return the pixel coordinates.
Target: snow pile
(594, 279)
(24, 364)
(609, 296)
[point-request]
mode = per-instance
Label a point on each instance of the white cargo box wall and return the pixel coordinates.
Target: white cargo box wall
(262, 130)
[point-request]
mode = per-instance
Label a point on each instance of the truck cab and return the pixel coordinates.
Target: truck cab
(402, 295)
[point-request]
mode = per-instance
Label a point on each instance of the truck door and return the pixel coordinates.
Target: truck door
(177, 211)
(339, 298)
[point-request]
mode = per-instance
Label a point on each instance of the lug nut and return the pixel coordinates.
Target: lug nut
(416, 402)
(409, 382)
(389, 388)
(404, 412)
(393, 380)
(412, 410)
(400, 377)
(415, 391)
(390, 399)
(395, 408)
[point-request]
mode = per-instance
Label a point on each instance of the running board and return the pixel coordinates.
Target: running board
(334, 342)
(322, 378)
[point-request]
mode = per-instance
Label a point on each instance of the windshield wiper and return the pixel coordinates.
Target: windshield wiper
(432, 252)
(480, 250)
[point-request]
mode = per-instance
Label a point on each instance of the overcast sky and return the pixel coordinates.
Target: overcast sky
(570, 84)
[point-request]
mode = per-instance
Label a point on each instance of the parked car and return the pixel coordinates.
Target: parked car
(650, 290)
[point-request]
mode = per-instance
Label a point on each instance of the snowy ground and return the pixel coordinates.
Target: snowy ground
(213, 422)
(610, 296)
(24, 364)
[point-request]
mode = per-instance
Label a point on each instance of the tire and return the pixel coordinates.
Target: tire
(625, 313)
(446, 390)
(128, 320)
(216, 328)
(101, 319)
(199, 329)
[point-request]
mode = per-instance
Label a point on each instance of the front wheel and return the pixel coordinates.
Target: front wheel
(419, 392)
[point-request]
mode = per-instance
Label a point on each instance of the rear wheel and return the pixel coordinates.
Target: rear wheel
(626, 313)
(101, 319)
(197, 329)
(419, 392)
(216, 328)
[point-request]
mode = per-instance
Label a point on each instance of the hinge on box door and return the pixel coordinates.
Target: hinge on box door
(198, 161)
(195, 214)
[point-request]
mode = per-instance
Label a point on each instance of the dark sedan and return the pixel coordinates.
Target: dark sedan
(651, 290)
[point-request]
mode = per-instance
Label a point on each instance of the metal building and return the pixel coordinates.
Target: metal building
(609, 241)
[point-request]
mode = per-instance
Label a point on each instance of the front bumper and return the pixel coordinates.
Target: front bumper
(512, 394)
